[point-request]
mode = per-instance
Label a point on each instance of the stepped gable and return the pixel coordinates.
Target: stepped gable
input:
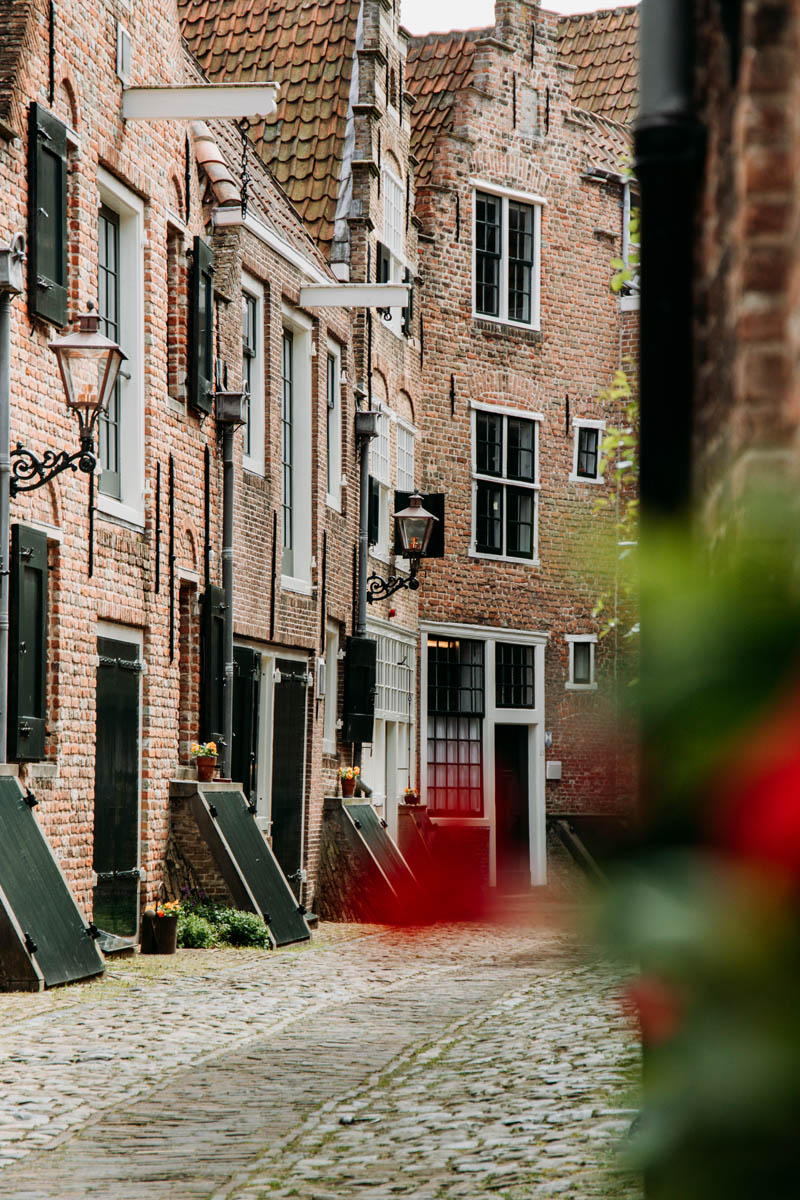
(308, 48)
(603, 48)
(438, 66)
(607, 144)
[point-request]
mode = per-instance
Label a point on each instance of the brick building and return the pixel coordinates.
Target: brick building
(144, 219)
(521, 140)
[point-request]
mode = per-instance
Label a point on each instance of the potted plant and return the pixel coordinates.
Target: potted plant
(205, 757)
(411, 796)
(348, 777)
(160, 927)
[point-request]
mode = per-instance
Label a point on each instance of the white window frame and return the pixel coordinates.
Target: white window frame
(585, 639)
(300, 326)
(503, 481)
(406, 455)
(254, 461)
(391, 185)
(578, 424)
(537, 203)
(330, 713)
(380, 468)
(129, 508)
(334, 429)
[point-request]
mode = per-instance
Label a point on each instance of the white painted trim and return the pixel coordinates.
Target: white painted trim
(505, 410)
(509, 558)
(499, 633)
(330, 700)
(199, 101)
(629, 303)
(254, 462)
(121, 633)
(503, 481)
(579, 423)
(290, 584)
(536, 203)
(129, 207)
(580, 637)
(227, 218)
(589, 639)
(483, 185)
(302, 476)
(51, 532)
(355, 295)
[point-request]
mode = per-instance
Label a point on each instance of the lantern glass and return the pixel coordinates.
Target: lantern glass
(89, 364)
(415, 526)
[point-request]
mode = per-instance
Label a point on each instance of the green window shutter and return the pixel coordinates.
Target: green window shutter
(212, 663)
(201, 328)
(27, 659)
(47, 217)
(374, 515)
(360, 683)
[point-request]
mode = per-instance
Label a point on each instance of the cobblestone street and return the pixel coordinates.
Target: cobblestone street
(475, 1061)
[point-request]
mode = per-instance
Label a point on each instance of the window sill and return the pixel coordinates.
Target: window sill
(301, 586)
(251, 467)
(329, 748)
(523, 562)
(119, 513)
(475, 822)
(500, 325)
(586, 478)
(334, 503)
(580, 687)
(382, 556)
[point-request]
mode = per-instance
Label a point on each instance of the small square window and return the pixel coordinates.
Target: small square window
(581, 662)
(587, 452)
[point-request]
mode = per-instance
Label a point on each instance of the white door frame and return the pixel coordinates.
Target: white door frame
(533, 718)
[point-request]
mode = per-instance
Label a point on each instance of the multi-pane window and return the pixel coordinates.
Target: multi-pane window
(331, 690)
(455, 726)
(287, 450)
(393, 205)
(249, 356)
(395, 679)
(108, 281)
(515, 675)
(506, 259)
(405, 459)
(505, 485)
(334, 429)
(586, 456)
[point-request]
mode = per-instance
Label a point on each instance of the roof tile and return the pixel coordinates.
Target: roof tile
(603, 47)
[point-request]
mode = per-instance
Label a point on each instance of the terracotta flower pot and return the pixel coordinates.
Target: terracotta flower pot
(206, 767)
(348, 787)
(159, 934)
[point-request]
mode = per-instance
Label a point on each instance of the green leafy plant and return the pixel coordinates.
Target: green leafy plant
(236, 928)
(195, 932)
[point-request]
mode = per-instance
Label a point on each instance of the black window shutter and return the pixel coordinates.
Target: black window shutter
(47, 217)
(408, 311)
(212, 664)
(360, 677)
(27, 660)
(383, 266)
(434, 503)
(374, 521)
(201, 327)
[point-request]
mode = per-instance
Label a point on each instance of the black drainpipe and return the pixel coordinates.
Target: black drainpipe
(669, 160)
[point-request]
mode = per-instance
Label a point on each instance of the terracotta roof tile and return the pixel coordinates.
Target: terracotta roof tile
(292, 43)
(603, 47)
(438, 66)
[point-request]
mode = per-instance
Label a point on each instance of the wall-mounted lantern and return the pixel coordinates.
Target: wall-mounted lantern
(414, 527)
(89, 364)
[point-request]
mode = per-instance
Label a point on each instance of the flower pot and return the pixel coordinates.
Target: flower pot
(348, 787)
(159, 934)
(206, 766)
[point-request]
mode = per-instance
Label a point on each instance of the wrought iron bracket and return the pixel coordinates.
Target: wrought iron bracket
(28, 472)
(381, 589)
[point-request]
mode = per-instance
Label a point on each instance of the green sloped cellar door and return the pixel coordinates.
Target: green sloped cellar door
(38, 895)
(391, 861)
(257, 864)
(116, 789)
(288, 768)
(244, 752)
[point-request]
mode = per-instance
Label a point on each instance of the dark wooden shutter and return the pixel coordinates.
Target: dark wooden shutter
(27, 660)
(212, 662)
(374, 515)
(47, 217)
(201, 328)
(360, 679)
(434, 503)
(408, 310)
(383, 265)
(246, 684)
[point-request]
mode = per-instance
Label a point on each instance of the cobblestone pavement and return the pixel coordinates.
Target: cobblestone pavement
(472, 1061)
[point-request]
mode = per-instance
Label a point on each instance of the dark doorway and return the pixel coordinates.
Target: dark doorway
(288, 768)
(116, 788)
(511, 807)
(246, 687)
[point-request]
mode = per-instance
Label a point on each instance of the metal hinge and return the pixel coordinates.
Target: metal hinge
(106, 876)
